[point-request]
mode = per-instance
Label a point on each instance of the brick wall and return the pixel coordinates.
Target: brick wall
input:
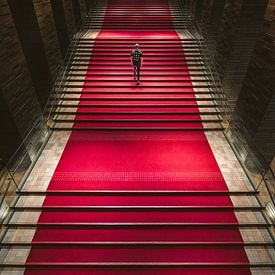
(15, 79)
(19, 103)
(33, 35)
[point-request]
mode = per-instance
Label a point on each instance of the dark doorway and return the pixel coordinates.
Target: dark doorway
(77, 13)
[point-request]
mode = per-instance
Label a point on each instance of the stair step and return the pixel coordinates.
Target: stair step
(114, 69)
(155, 14)
(122, 99)
(67, 225)
(150, 58)
(180, 81)
(156, 19)
(126, 105)
(123, 93)
(130, 74)
(149, 61)
(126, 53)
(138, 264)
(145, 17)
(130, 208)
(174, 83)
(134, 86)
(137, 193)
(157, 51)
(159, 17)
(144, 47)
(144, 44)
(186, 129)
(81, 113)
(132, 120)
(125, 57)
(128, 67)
(149, 24)
(179, 65)
(149, 27)
(134, 243)
(144, 39)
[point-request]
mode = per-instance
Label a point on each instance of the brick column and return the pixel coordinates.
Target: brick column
(19, 105)
(28, 31)
(44, 15)
(15, 79)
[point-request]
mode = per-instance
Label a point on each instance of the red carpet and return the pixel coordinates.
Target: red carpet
(106, 234)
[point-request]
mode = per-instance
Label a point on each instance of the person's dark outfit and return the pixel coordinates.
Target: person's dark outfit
(136, 54)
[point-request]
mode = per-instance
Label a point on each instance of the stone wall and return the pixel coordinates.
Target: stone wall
(15, 79)
(240, 35)
(18, 95)
(34, 35)
(256, 104)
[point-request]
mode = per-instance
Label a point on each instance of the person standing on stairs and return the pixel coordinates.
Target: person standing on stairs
(136, 61)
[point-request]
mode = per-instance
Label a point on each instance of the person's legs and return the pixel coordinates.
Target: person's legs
(135, 72)
(138, 73)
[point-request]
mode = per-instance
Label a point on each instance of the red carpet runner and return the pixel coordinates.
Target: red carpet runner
(120, 233)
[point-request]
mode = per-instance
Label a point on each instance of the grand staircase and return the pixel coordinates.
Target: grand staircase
(137, 189)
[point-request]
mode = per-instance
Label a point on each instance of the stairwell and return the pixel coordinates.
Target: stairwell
(137, 189)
